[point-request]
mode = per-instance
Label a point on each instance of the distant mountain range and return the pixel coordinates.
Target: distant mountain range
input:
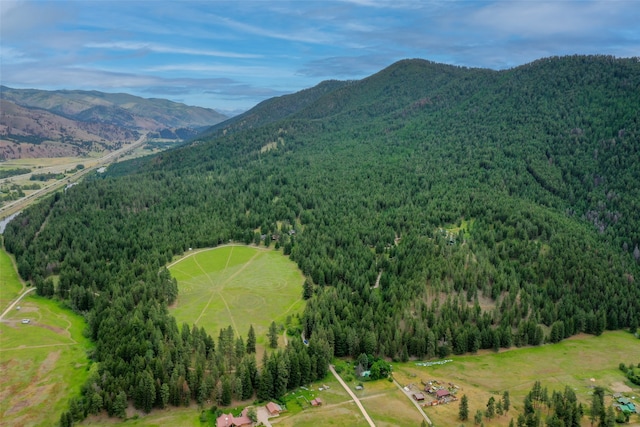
(39, 123)
(432, 209)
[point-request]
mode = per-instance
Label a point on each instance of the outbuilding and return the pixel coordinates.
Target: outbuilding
(442, 393)
(273, 409)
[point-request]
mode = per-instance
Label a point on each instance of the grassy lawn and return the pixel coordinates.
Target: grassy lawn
(10, 284)
(183, 417)
(573, 362)
(387, 405)
(338, 409)
(238, 286)
(42, 363)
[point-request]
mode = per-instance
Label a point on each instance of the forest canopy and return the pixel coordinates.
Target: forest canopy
(433, 210)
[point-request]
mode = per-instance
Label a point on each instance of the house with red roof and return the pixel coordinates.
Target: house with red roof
(442, 393)
(273, 409)
(228, 420)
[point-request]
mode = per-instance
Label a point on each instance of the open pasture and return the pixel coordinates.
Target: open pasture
(42, 363)
(337, 409)
(387, 405)
(238, 286)
(573, 362)
(179, 417)
(10, 284)
(43, 164)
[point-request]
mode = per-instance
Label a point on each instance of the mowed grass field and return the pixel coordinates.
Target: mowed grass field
(42, 364)
(238, 286)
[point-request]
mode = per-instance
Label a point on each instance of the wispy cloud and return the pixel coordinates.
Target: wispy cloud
(294, 33)
(232, 55)
(154, 47)
(544, 19)
(348, 67)
(10, 55)
(225, 69)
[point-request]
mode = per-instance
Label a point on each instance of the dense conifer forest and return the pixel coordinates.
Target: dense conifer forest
(436, 210)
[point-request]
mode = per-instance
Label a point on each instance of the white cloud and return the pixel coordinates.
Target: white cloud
(153, 47)
(22, 18)
(225, 69)
(545, 18)
(297, 33)
(254, 49)
(389, 4)
(10, 55)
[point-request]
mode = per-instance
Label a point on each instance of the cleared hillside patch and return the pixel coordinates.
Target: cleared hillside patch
(238, 286)
(43, 363)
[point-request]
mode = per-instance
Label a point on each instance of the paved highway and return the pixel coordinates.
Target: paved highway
(20, 204)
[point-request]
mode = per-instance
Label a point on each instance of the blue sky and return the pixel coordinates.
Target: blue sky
(230, 55)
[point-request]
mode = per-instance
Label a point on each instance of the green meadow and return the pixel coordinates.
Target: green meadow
(337, 409)
(573, 362)
(10, 284)
(42, 363)
(581, 362)
(238, 286)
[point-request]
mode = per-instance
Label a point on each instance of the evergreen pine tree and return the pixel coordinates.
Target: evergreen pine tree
(251, 340)
(609, 418)
(273, 335)
(506, 401)
(164, 395)
(463, 413)
(478, 417)
(491, 407)
(307, 289)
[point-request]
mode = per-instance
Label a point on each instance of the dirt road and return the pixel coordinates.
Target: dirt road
(417, 405)
(13, 304)
(353, 396)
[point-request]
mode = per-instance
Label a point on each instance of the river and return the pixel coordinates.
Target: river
(5, 221)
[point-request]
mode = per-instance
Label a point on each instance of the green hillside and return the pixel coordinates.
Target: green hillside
(433, 209)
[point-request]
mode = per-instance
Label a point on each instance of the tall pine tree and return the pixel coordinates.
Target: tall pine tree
(251, 340)
(463, 413)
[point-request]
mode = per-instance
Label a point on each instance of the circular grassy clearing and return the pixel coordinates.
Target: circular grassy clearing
(238, 286)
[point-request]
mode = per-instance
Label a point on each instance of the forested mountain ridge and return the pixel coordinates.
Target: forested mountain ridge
(491, 208)
(273, 109)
